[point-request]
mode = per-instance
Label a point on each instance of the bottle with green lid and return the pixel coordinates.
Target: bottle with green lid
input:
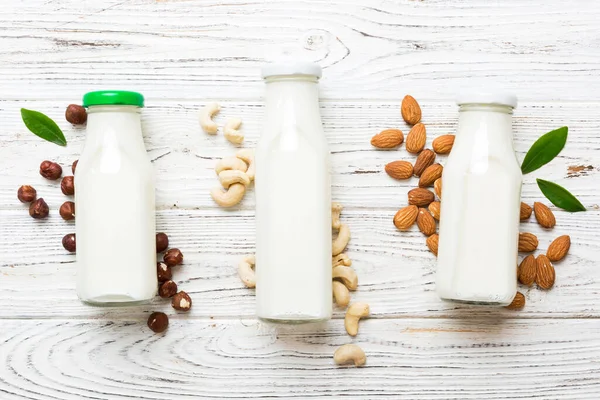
(115, 205)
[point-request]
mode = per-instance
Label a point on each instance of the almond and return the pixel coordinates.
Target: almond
(416, 138)
(420, 197)
(405, 217)
(559, 248)
(518, 302)
(425, 222)
(528, 242)
(434, 209)
(545, 274)
(388, 139)
(443, 144)
(424, 160)
(430, 175)
(525, 211)
(437, 187)
(399, 169)
(527, 270)
(433, 242)
(544, 216)
(410, 110)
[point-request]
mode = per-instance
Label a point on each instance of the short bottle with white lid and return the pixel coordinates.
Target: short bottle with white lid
(293, 200)
(115, 206)
(480, 205)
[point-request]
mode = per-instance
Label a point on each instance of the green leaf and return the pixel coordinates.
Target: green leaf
(43, 126)
(559, 196)
(545, 149)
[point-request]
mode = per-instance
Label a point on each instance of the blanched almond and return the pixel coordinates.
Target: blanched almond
(525, 211)
(410, 110)
(388, 139)
(430, 175)
(405, 217)
(559, 248)
(528, 242)
(425, 222)
(416, 138)
(420, 197)
(424, 160)
(443, 144)
(399, 169)
(544, 215)
(545, 274)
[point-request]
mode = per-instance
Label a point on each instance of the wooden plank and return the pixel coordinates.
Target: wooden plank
(184, 157)
(416, 359)
(197, 48)
(396, 271)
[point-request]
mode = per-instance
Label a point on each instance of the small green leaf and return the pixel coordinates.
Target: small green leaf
(545, 149)
(559, 196)
(43, 126)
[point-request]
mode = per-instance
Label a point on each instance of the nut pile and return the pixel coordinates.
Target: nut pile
(235, 174)
(231, 129)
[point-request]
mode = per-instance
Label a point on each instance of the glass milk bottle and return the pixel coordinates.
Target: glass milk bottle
(293, 200)
(114, 196)
(481, 195)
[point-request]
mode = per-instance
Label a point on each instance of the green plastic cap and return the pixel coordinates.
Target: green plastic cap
(113, 97)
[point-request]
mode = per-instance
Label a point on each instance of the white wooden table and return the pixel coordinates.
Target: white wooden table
(183, 53)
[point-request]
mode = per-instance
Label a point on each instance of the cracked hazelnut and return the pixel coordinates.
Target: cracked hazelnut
(67, 211)
(158, 322)
(76, 115)
(162, 242)
(163, 272)
(68, 242)
(74, 166)
(181, 301)
(26, 194)
(67, 186)
(167, 289)
(38, 209)
(173, 257)
(50, 170)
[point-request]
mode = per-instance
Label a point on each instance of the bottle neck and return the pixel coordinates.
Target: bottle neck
(292, 94)
(492, 121)
(121, 124)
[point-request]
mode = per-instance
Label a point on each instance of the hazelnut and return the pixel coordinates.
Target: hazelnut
(76, 114)
(181, 301)
(167, 289)
(162, 242)
(67, 186)
(69, 243)
(26, 194)
(67, 211)
(38, 209)
(163, 272)
(50, 170)
(74, 166)
(173, 257)
(158, 322)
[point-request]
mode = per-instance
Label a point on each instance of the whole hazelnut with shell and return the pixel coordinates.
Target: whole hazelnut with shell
(158, 322)
(50, 170)
(181, 301)
(67, 211)
(69, 243)
(74, 166)
(167, 289)
(163, 272)
(76, 114)
(26, 194)
(39, 209)
(67, 186)
(173, 257)
(162, 242)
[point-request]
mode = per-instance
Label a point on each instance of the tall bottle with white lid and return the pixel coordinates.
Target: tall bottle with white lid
(114, 196)
(293, 200)
(481, 193)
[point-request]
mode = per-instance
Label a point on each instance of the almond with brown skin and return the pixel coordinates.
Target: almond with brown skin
(527, 270)
(430, 175)
(443, 144)
(420, 197)
(525, 211)
(559, 248)
(528, 242)
(399, 169)
(405, 217)
(434, 209)
(424, 160)
(416, 138)
(432, 242)
(545, 274)
(410, 110)
(425, 222)
(544, 215)
(518, 302)
(437, 187)
(388, 139)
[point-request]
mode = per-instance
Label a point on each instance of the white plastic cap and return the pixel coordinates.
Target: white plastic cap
(291, 68)
(487, 97)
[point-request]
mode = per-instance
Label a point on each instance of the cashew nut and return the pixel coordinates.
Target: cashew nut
(230, 197)
(247, 155)
(228, 163)
(206, 113)
(231, 130)
(341, 259)
(246, 272)
(336, 209)
(350, 354)
(354, 313)
(231, 176)
(347, 276)
(341, 294)
(340, 243)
